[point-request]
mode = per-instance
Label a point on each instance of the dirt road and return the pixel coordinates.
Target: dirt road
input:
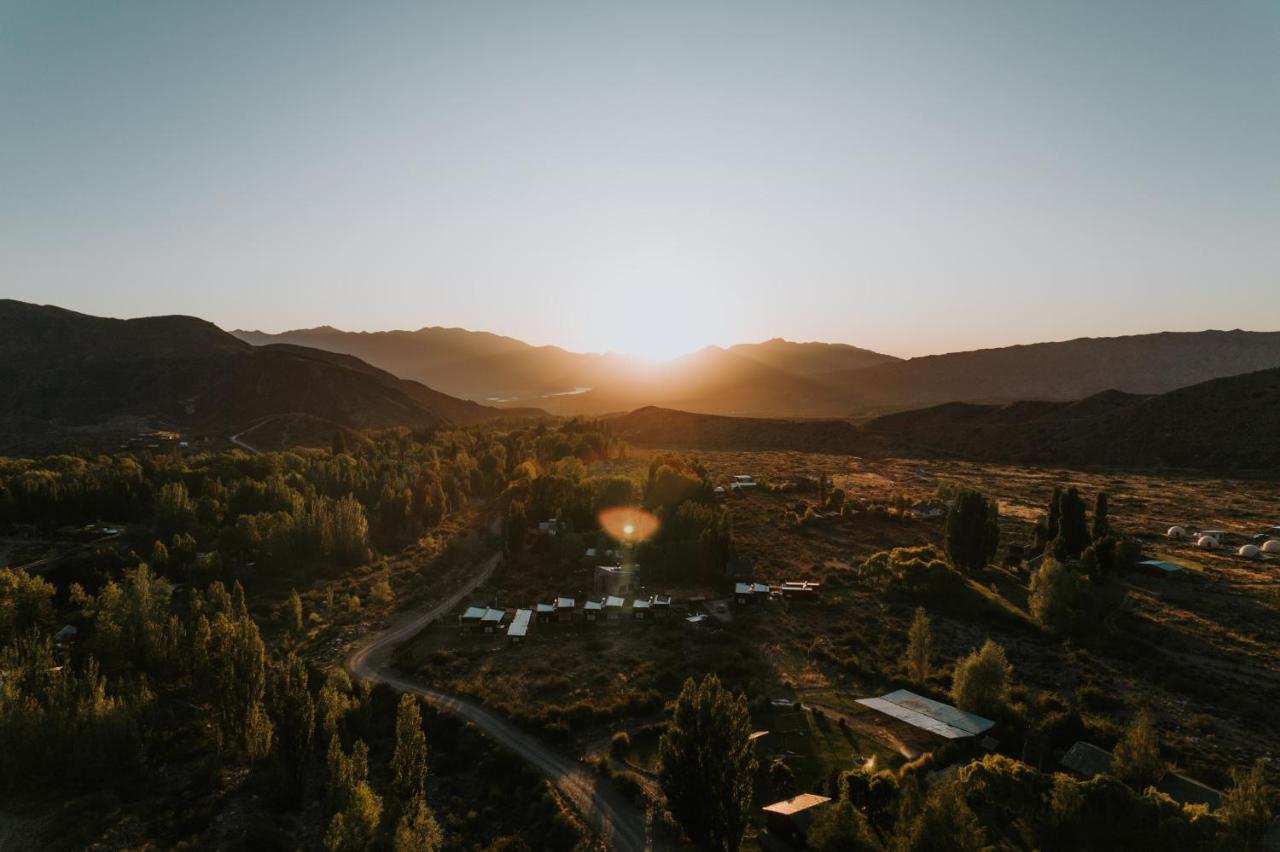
(618, 822)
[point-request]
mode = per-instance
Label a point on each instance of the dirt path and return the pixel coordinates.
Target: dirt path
(619, 823)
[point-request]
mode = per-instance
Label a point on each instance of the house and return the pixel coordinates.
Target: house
(544, 613)
(791, 819)
(613, 606)
(933, 716)
(1160, 568)
(471, 617)
(642, 609)
(66, 634)
(801, 589)
(550, 527)
(929, 510)
(564, 609)
(591, 610)
(746, 594)
(519, 627)
(661, 606)
(617, 579)
(742, 482)
(697, 618)
(492, 620)
(1086, 760)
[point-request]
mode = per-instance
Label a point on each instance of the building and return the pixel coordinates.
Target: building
(613, 606)
(661, 606)
(1160, 568)
(933, 716)
(1086, 761)
(1176, 532)
(746, 594)
(471, 616)
(1207, 542)
(1271, 546)
(519, 627)
(791, 819)
(544, 613)
(642, 609)
(1249, 551)
(617, 579)
(742, 482)
(591, 610)
(801, 589)
(492, 620)
(564, 609)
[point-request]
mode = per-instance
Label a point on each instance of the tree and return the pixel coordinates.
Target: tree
(1059, 595)
(409, 761)
(357, 810)
(919, 647)
(1137, 755)
(417, 830)
(1101, 522)
(707, 764)
(381, 593)
(840, 827)
(26, 603)
(981, 680)
(295, 613)
(294, 714)
(1073, 528)
(972, 531)
(1248, 805)
(946, 822)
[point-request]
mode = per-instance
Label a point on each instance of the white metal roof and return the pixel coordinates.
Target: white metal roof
(593, 605)
(662, 600)
(614, 601)
(742, 588)
(564, 603)
(520, 624)
(493, 615)
(474, 612)
(640, 603)
(545, 607)
(933, 716)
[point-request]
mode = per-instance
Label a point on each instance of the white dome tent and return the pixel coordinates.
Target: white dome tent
(1207, 542)
(1176, 532)
(1271, 546)
(1249, 551)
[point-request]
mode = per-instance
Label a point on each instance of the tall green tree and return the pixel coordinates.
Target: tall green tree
(1073, 528)
(972, 531)
(919, 647)
(707, 764)
(1101, 520)
(1137, 755)
(294, 714)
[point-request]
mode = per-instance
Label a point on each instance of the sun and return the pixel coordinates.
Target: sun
(659, 320)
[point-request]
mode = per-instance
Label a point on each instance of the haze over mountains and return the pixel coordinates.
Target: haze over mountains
(779, 378)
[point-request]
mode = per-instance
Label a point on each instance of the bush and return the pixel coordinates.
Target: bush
(620, 745)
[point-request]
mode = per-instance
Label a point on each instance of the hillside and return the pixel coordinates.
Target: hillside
(1224, 424)
(68, 377)
(1230, 424)
(1068, 370)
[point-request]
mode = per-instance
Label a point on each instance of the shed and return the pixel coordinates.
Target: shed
(564, 609)
(591, 610)
(803, 589)
(492, 619)
(471, 617)
(1086, 760)
(641, 609)
(519, 627)
(544, 612)
(613, 606)
(792, 818)
(661, 606)
(933, 716)
(1160, 568)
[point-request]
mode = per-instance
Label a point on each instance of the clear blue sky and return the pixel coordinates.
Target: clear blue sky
(649, 177)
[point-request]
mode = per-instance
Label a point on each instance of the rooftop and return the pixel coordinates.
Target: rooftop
(520, 624)
(927, 714)
(796, 804)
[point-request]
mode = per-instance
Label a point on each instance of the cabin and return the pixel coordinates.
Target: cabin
(1160, 568)
(471, 616)
(544, 613)
(801, 589)
(591, 610)
(791, 819)
(742, 482)
(661, 606)
(613, 607)
(519, 627)
(747, 594)
(564, 609)
(492, 620)
(641, 609)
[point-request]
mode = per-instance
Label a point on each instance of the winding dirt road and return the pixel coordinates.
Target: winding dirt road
(618, 822)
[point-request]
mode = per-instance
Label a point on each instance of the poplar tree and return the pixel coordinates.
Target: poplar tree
(919, 647)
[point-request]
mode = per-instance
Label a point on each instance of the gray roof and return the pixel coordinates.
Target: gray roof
(475, 613)
(662, 600)
(493, 616)
(564, 603)
(520, 624)
(933, 716)
(545, 607)
(593, 605)
(614, 602)
(640, 603)
(1167, 567)
(1087, 760)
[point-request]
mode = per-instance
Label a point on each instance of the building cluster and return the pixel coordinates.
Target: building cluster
(517, 623)
(1258, 546)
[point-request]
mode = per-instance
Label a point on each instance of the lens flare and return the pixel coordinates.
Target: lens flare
(628, 524)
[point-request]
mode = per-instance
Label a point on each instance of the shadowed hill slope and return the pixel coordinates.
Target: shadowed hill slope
(70, 377)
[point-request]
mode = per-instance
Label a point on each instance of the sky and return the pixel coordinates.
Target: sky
(649, 177)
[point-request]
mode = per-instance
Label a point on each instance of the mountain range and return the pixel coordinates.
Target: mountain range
(68, 378)
(779, 378)
(1228, 424)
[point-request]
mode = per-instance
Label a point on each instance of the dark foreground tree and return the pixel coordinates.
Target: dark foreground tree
(973, 531)
(1073, 527)
(707, 764)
